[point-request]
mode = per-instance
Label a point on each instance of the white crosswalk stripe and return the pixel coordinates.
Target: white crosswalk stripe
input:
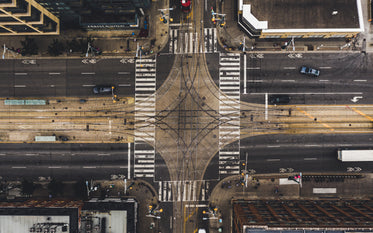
(171, 191)
(229, 108)
(145, 86)
(190, 42)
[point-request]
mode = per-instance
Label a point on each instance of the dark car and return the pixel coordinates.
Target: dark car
(103, 89)
(279, 99)
(309, 71)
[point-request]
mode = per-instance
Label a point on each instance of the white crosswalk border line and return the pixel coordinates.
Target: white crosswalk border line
(145, 86)
(229, 108)
(190, 41)
(185, 191)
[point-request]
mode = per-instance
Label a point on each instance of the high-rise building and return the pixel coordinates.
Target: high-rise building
(45, 17)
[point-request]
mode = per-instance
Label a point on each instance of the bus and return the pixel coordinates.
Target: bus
(355, 155)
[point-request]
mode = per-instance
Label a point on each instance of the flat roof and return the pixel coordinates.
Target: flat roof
(21, 219)
(307, 14)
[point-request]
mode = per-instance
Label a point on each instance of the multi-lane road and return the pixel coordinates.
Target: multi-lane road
(343, 77)
(195, 117)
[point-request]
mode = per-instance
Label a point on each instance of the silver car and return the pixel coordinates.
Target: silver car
(103, 89)
(309, 71)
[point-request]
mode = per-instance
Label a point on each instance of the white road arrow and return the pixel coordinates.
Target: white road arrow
(356, 98)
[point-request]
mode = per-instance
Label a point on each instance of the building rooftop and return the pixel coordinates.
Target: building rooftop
(306, 14)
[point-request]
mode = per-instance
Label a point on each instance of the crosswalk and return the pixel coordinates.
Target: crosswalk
(229, 108)
(145, 86)
(171, 191)
(182, 42)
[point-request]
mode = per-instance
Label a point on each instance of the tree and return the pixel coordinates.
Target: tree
(29, 47)
(73, 46)
(56, 48)
(55, 187)
(27, 187)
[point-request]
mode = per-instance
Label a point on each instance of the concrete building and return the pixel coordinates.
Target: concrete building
(46, 17)
(333, 215)
(300, 18)
(27, 17)
(57, 216)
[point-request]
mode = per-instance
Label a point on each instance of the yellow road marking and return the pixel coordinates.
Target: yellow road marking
(190, 215)
(195, 230)
(362, 114)
(311, 117)
(190, 15)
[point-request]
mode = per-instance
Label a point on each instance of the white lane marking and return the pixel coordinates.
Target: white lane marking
(289, 68)
(52, 85)
(360, 80)
(89, 167)
(325, 67)
(255, 81)
(266, 106)
(244, 74)
(18, 167)
(19, 85)
(31, 154)
(123, 72)
(253, 68)
(125, 85)
(88, 73)
(88, 85)
(312, 145)
(54, 167)
(272, 160)
(288, 80)
(310, 158)
(103, 154)
(129, 161)
(310, 93)
(54, 73)
(273, 146)
(20, 73)
(324, 80)
(2, 154)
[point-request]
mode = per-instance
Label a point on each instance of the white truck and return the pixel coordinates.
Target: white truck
(355, 155)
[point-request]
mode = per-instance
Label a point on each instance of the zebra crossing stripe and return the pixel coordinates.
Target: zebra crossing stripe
(229, 107)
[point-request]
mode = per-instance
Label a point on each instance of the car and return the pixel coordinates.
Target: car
(185, 5)
(279, 99)
(103, 89)
(309, 71)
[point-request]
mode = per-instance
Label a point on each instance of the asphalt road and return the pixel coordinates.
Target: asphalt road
(71, 77)
(342, 76)
(64, 161)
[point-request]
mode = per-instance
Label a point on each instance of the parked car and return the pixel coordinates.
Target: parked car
(309, 71)
(103, 89)
(279, 99)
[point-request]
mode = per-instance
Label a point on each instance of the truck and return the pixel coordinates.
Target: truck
(355, 155)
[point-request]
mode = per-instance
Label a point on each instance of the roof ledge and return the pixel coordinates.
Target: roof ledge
(246, 14)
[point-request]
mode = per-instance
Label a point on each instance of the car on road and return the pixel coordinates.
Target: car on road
(309, 71)
(185, 5)
(279, 99)
(103, 89)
